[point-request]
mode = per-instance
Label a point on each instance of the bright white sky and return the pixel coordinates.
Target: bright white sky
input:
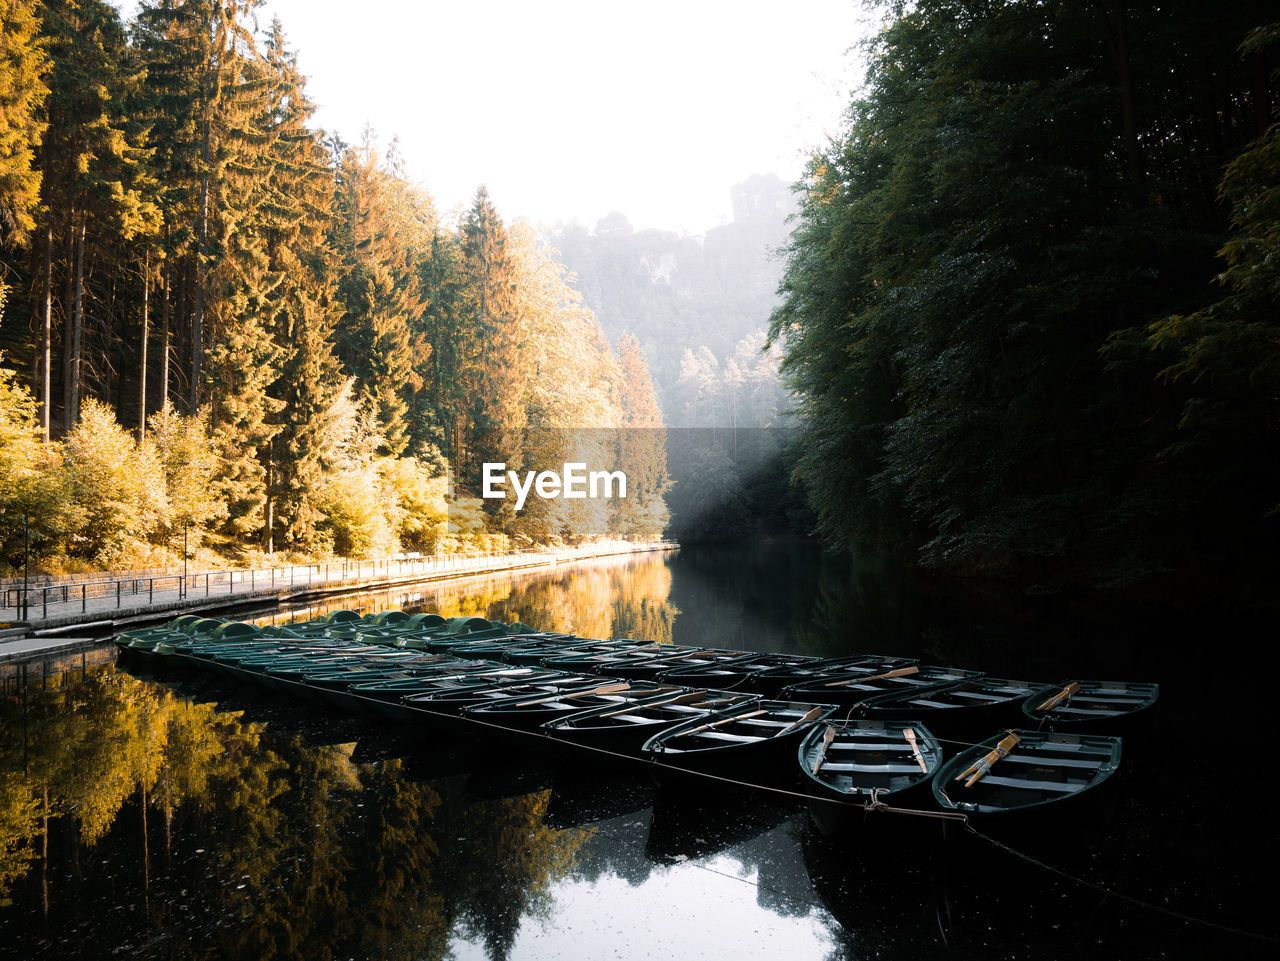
(568, 109)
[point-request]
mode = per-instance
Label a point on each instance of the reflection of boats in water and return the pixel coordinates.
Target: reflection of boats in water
(685, 827)
(885, 893)
(585, 798)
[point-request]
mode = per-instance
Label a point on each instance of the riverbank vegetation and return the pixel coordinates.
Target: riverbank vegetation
(1031, 300)
(226, 327)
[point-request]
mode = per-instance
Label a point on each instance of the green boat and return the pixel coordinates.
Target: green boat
(751, 743)
(849, 764)
(1089, 705)
(1022, 772)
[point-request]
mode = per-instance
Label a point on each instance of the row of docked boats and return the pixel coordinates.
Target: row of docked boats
(851, 732)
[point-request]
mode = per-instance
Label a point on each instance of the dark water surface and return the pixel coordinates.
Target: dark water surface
(163, 816)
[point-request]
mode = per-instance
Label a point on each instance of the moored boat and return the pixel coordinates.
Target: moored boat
(659, 667)
(624, 730)
(445, 701)
(726, 675)
(860, 684)
(1025, 771)
(774, 680)
(850, 764)
(753, 743)
(1089, 705)
(974, 704)
(604, 662)
(531, 714)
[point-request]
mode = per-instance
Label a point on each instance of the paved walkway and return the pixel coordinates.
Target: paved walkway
(114, 603)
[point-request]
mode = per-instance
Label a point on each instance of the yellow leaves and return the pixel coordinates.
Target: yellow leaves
(20, 810)
(573, 380)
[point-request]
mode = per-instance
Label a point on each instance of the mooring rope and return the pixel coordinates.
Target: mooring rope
(1137, 902)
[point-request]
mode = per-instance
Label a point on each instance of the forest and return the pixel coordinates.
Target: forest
(1030, 304)
(698, 305)
(224, 326)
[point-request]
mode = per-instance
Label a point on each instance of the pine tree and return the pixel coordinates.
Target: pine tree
(301, 186)
(379, 290)
(642, 453)
(195, 52)
(494, 375)
(97, 187)
(23, 64)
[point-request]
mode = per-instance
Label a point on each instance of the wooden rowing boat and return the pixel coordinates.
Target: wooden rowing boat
(1025, 771)
(530, 714)
(860, 684)
(971, 706)
(774, 680)
(734, 674)
(752, 743)
(623, 731)
(846, 765)
(1089, 705)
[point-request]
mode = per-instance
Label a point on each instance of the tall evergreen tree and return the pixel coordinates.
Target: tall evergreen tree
(97, 185)
(642, 453)
(23, 63)
(195, 53)
(379, 290)
(301, 187)
(494, 376)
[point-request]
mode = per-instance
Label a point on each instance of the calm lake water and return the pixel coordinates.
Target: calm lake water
(163, 816)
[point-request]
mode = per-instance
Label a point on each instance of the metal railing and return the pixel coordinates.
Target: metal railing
(165, 588)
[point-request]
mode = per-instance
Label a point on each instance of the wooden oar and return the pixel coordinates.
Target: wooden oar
(900, 672)
(687, 696)
(910, 735)
(1063, 695)
(607, 689)
(826, 743)
(811, 716)
(983, 765)
(727, 720)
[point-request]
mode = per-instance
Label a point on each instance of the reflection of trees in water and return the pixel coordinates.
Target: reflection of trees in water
(610, 598)
(180, 829)
(760, 596)
(622, 596)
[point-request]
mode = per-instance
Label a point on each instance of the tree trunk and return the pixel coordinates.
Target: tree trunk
(68, 317)
(46, 334)
(77, 328)
(142, 365)
(197, 314)
(164, 347)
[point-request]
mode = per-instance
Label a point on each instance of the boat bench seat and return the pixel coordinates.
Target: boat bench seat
(1057, 787)
(890, 767)
(1039, 759)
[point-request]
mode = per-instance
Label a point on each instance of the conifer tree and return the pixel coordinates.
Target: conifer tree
(494, 375)
(443, 405)
(97, 186)
(379, 290)
(23, 63)
(195, 53)
(301, 186)
(642, 454)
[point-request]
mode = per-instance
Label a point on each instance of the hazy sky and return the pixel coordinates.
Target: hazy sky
(567, 109)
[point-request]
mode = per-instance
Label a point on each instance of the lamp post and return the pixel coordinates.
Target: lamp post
(183, 592)
(26, 562)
